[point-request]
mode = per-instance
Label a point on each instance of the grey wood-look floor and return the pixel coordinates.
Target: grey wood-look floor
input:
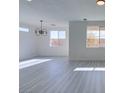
(57, 76)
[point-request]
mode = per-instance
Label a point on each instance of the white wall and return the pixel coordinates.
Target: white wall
(27, 44)
(75, 45)
(46, 50)
(31, 45)
(77, 42)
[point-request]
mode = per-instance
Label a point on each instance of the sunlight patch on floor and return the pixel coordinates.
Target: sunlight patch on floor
(89, 69)
(99, 69)
(28, 63)
(83, 69)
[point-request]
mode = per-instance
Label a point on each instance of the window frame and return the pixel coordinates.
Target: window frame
(99, 37)
(23, 29)
(59, 39)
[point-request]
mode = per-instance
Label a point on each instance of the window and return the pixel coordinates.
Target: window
(23, 29)
(56, 38)
(95, 36)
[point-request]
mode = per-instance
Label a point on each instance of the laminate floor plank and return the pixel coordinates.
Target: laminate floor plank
(58, 76)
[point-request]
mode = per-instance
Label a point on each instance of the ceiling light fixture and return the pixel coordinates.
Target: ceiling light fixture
(85, 19)
(41, 31)
(100, 2)
(29, 0)
(53, 25)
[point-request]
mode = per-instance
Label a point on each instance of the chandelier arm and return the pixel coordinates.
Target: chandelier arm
(41, 24)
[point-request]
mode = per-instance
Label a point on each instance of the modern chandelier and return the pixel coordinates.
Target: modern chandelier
(100, 2)
(41, 31)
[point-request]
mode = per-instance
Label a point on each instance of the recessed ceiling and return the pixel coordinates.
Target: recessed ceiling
(59, 12)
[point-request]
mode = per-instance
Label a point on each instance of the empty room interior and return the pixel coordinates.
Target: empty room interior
(61, 46)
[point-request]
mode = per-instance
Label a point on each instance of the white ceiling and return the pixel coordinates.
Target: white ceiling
(59, 12)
